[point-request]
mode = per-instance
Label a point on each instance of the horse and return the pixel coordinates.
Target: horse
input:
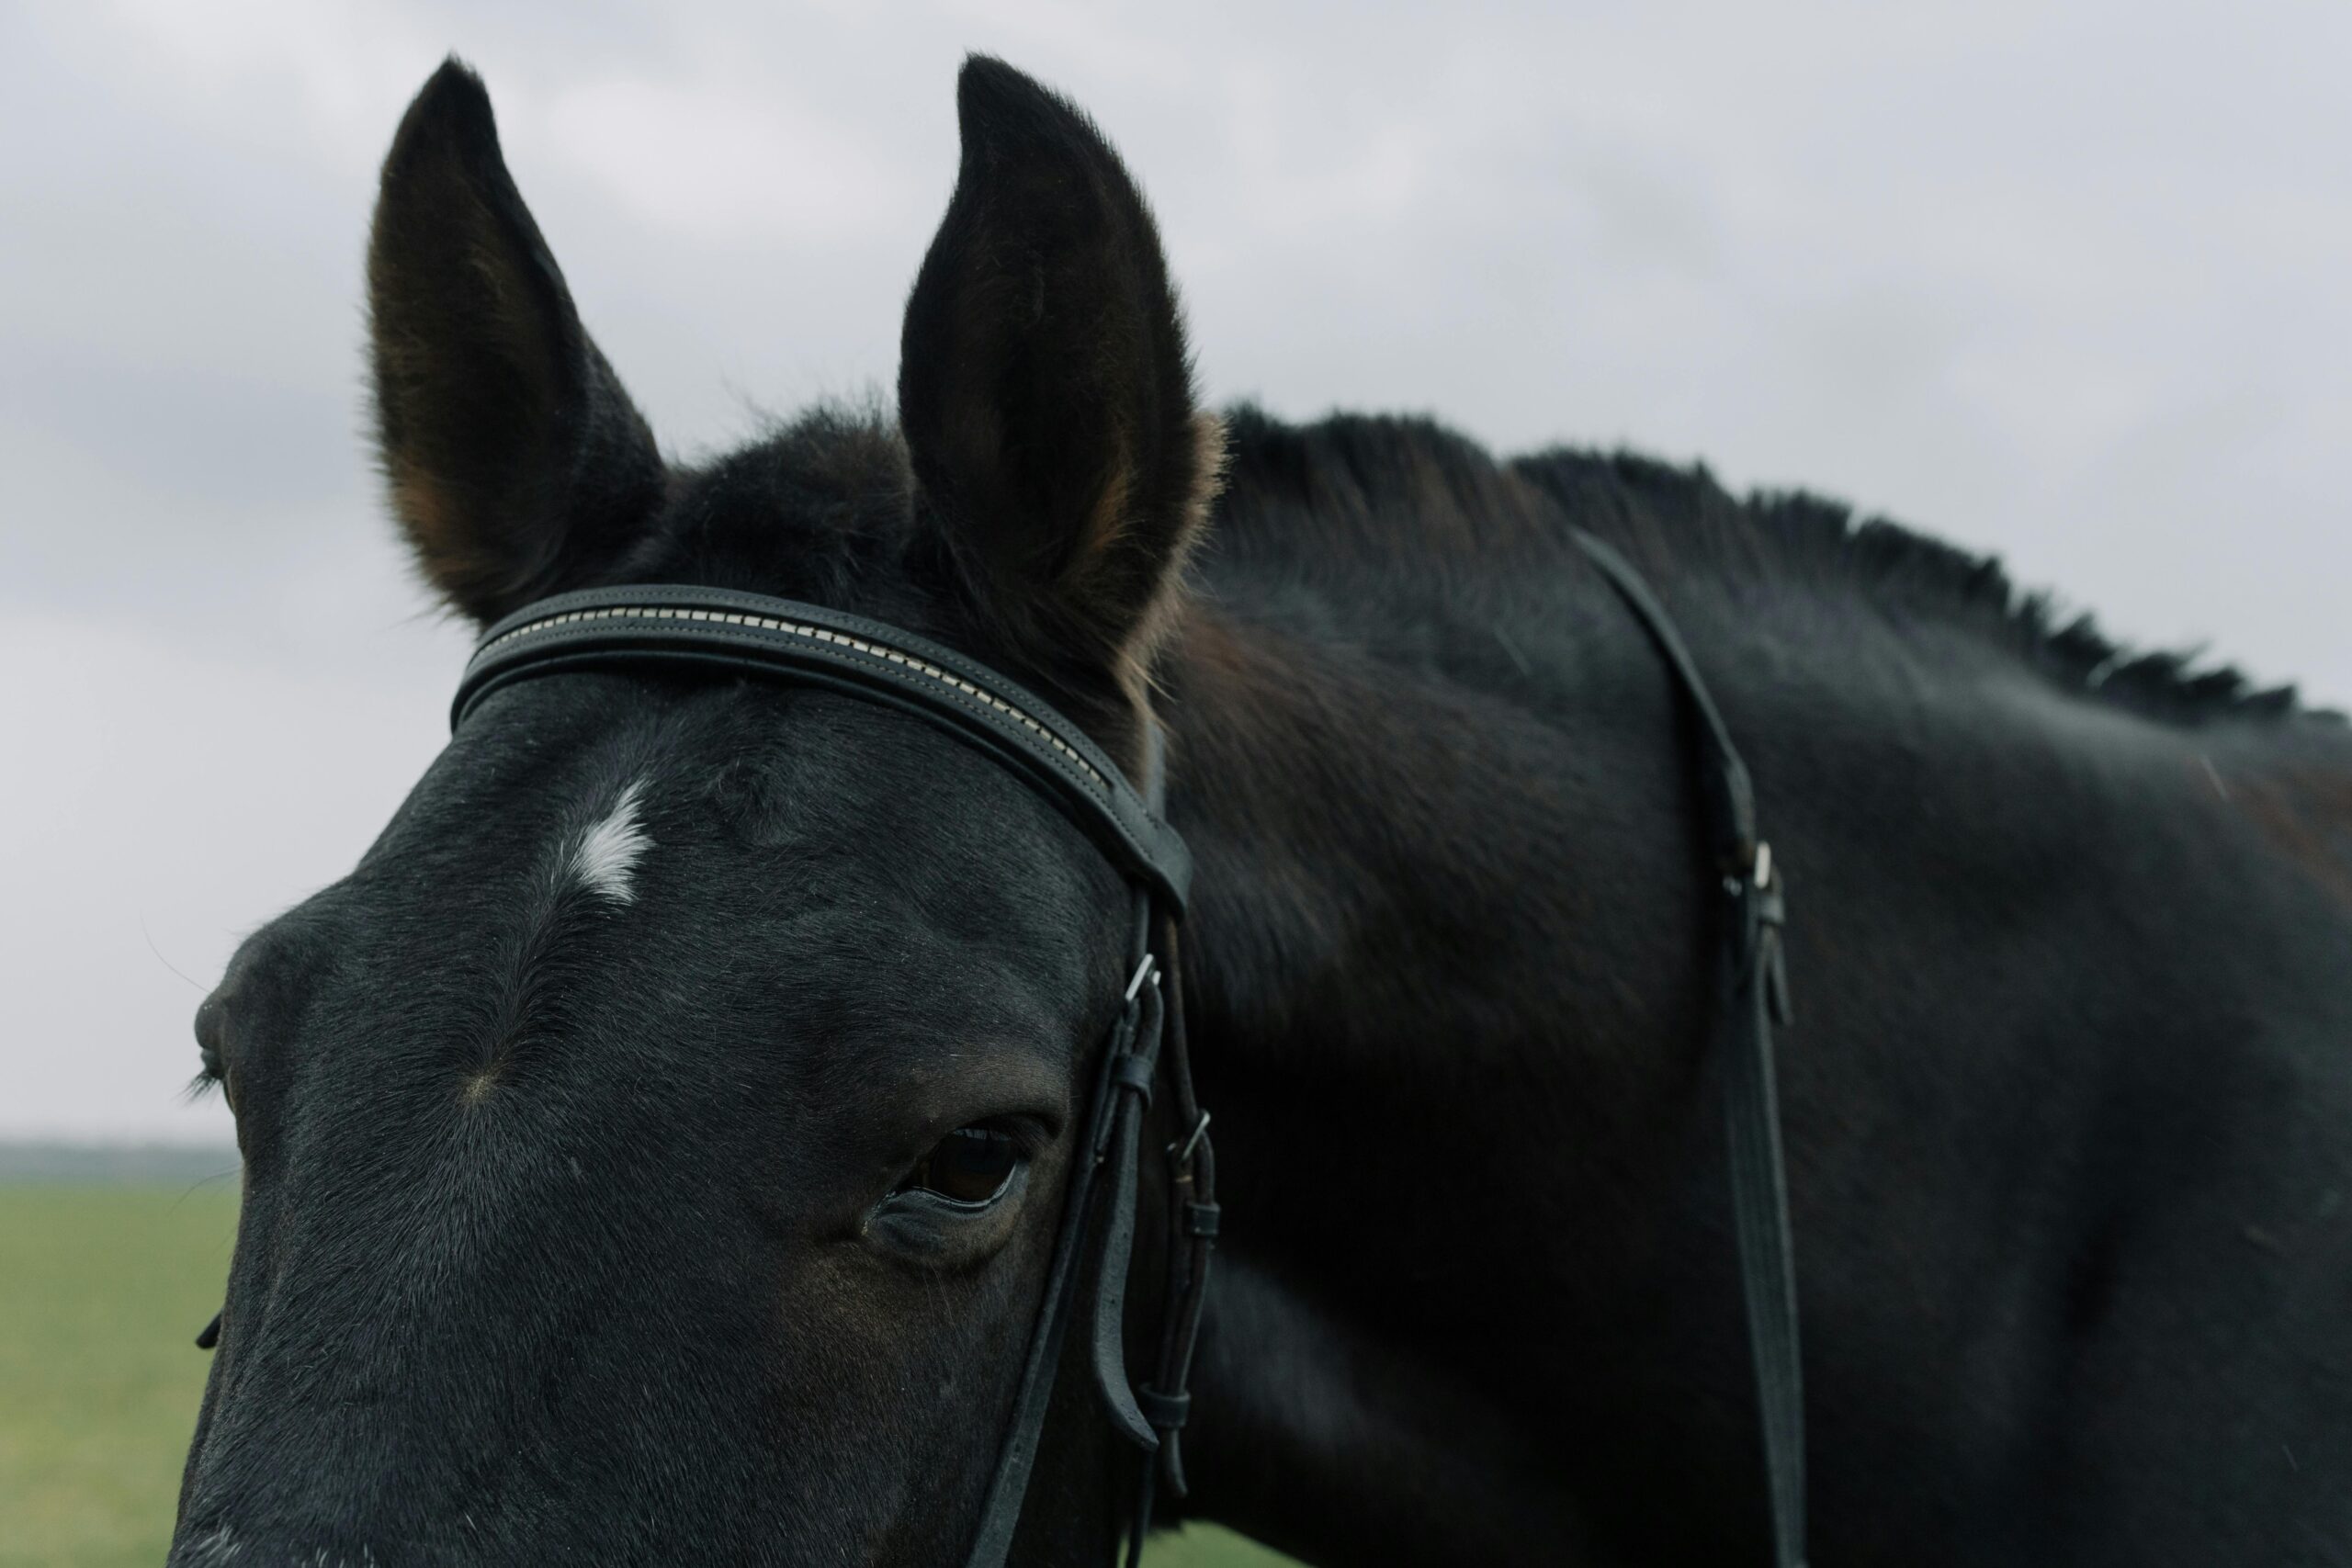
(652, 1149)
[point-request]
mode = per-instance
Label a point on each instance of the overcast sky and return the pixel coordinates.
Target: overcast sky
(2066, 283)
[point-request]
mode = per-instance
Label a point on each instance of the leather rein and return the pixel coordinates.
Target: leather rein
(1752, 987)
(713, 630)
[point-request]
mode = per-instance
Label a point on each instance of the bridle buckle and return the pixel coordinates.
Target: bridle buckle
(1181, 1156)
(1147, 970)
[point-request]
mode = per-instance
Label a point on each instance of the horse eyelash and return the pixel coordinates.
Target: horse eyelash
(209, 1077)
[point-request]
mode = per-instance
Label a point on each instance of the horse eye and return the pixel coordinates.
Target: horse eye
(971, 1166)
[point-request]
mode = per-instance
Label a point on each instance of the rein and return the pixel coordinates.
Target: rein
(1753, 984)
(717, 631)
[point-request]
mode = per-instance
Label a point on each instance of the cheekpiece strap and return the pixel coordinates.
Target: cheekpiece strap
(719, 630)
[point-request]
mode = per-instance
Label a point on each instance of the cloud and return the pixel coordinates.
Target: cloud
(2065, 283)
(709, 162)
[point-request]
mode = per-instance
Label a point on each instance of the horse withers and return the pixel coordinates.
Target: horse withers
(654, 1149)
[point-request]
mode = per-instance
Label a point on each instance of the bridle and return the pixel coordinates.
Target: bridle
(716, 631)
(750, 634)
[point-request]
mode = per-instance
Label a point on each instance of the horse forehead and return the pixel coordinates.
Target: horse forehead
(813, 839)
(859, 831)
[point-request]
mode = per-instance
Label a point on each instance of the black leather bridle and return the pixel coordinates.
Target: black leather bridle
(711, 630)
(751, 633)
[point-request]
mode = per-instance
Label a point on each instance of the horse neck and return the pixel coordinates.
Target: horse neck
(1452, 950)
(1418, 905)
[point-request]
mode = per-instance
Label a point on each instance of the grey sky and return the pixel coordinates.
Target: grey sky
(2067, 283)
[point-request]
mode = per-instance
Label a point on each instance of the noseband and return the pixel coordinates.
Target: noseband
(711, 630)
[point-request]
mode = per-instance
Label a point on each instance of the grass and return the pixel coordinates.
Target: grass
(102, 1289)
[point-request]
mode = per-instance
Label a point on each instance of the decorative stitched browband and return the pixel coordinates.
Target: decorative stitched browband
(717, 627)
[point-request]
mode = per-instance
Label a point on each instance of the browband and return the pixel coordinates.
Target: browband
(751, 633)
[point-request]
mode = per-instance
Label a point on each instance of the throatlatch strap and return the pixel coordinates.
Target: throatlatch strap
(1754, 991)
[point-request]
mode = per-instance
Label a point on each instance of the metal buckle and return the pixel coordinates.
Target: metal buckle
(1147, 970)
(1200, 1130)
(1755, 878)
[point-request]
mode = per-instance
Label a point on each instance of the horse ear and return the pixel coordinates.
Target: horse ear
(517, 465)
(1046, 392)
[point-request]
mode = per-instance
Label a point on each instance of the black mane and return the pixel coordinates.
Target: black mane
(1340, 492)
(1809, 535)
(1355, 471)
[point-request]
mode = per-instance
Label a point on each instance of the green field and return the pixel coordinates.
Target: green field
(102, 1289)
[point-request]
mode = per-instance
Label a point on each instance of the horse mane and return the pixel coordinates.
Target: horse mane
(1349, 481)
(1339, 495)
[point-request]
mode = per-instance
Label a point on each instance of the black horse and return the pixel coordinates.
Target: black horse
(652, 1148)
